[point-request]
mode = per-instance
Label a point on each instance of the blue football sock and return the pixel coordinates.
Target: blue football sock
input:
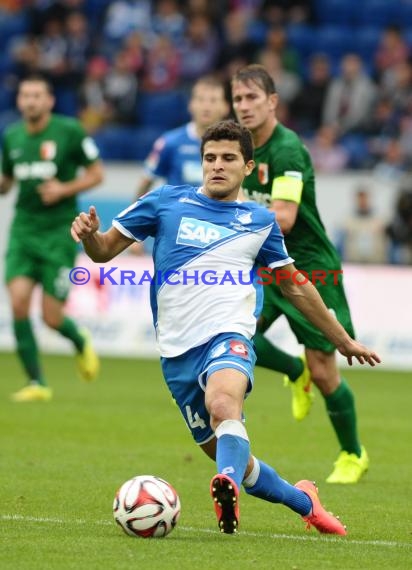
(232, 455)
(232, 450)
(270, 487)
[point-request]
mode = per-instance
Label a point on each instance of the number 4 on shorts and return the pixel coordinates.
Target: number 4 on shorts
(194, 420)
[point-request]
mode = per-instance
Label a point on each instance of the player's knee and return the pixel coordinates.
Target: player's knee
(220, 409)
(51, 320)
(324, 375)
(20, 307)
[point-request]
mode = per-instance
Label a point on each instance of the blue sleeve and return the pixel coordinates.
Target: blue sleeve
(140, 220)
(273, 252)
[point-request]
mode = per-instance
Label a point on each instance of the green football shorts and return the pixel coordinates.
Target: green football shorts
(46, 258)
(333, 295)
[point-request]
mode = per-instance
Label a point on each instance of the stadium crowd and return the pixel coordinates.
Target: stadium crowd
(343, 71)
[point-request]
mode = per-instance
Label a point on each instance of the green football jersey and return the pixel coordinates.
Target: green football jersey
(56, 152)
(284, 155)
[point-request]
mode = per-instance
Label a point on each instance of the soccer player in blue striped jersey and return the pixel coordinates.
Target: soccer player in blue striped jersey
(204, 331)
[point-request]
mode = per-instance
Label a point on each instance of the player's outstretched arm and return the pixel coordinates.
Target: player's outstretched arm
(100, 247)
(304, 296)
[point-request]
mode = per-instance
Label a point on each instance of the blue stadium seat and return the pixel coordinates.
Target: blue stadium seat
(114, 142)
(365, 41)
(126, 143)
(13, 25)
(256, 32)
(7, 65)
(66, 101)
(143, 140)
(302, 38)
(7, 99)
(404, 14)
(94, 9)
(377, 12)
(407, 34)
(166, 110)
(333, 40)
(7, 118)
(338, 12)
(356, 146)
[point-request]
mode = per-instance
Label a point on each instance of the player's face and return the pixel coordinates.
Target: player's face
(224, 169)
(208, 105)
(34, 100)
(252, 106)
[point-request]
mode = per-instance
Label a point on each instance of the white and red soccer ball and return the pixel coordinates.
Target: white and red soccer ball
(146, 506)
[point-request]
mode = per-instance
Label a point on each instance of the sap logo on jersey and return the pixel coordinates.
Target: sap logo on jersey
(199, 233)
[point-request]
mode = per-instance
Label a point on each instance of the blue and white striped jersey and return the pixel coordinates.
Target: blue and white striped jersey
(204, 253)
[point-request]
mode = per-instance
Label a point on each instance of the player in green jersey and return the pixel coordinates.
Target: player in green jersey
(42, 154)
(284, 179)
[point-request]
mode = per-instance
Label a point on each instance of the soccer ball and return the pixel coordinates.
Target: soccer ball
(146, 506)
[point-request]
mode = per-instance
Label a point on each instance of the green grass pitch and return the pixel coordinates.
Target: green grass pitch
(61, 463)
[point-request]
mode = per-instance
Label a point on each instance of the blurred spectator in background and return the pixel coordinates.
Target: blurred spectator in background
(168, 20)
(277, 12)
(287, 82)
(392, 50)
(350, 97)
(26, 54)
(405, 135)
(237, 49)
(52, 52)
(120, 91)
(326, 152)
(123, 17)
(78, 48)
(134, 50)
(400, 228)
(276, 41)
(307, 108)
(363, 238)
(215, 11)
(397, 86)
(382, 126)
(199, 49)
(94, 110)
(393, 163)
(161, 69)
(40, 11)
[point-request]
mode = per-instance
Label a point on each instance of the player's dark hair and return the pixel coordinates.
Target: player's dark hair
(230, 131)
(38, 78)
(258, 74)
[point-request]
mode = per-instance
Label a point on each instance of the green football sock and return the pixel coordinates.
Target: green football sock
(273, 358)
(28, 351)
(342, 414)
(70, 330)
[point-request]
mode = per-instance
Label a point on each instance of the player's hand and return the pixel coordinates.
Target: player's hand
(85, 225)
(51, 191)
(353, 349)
